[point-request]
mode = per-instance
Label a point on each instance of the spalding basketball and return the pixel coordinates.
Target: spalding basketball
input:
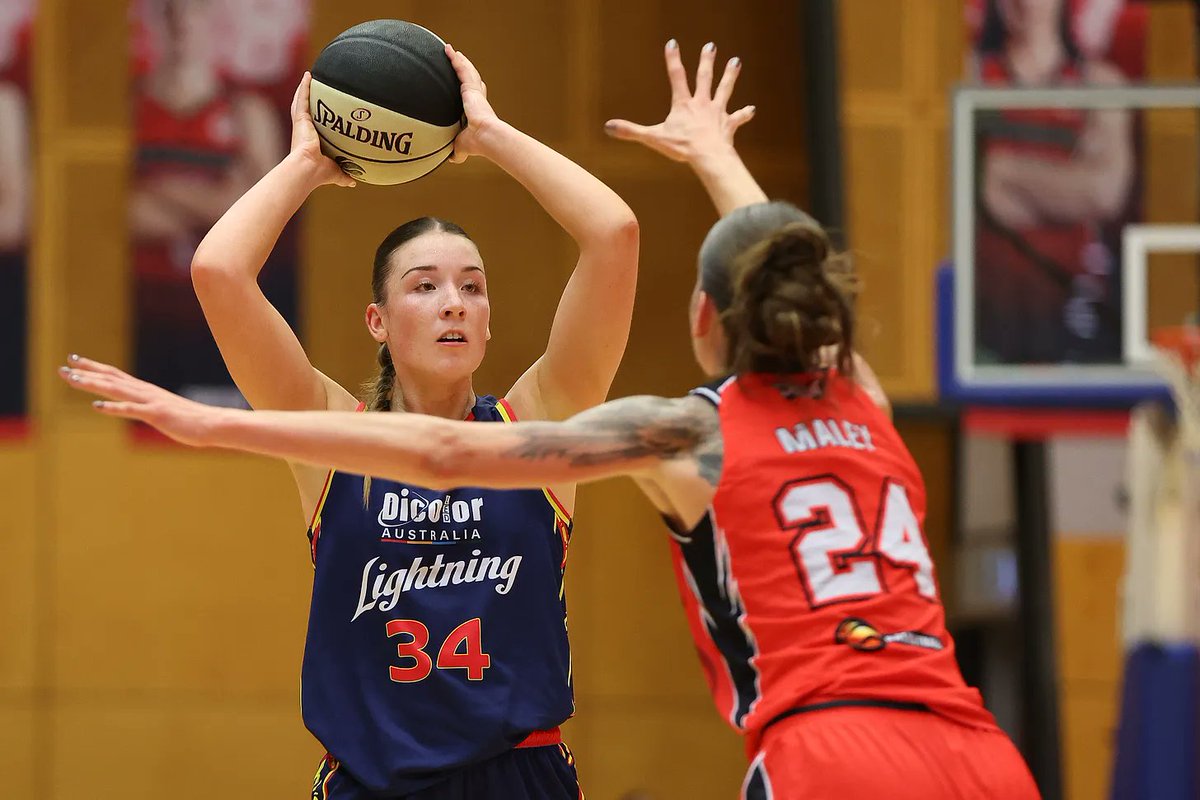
(386, 101)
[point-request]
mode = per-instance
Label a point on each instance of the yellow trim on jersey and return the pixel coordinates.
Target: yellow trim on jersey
(560, 511)
(314, 524)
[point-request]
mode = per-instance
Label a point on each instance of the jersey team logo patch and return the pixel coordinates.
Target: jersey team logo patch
(862, 635)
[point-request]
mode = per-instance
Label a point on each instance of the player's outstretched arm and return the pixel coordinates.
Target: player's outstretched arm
(699, 130)
(591, 326)
(262, 352)
(633, 436)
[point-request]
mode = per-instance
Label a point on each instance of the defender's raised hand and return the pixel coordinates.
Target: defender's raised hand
(699, 123)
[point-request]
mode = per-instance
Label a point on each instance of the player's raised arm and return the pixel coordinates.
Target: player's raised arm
(631, 436)
(262, 352)
(591, 326)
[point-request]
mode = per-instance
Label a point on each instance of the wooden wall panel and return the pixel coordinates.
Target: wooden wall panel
(163, 745)
(633, 85)
(18, 744)
(875, 213)
(898, 60)
(19, 565)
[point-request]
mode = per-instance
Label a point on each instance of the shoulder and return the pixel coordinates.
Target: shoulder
(713, 391)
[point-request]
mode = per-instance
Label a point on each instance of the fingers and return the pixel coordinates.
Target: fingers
(468, 76)
(296, 98)
(627, 131)
(119, 408)
(728, 78)
(300, 100)
(676, 74)
(91, 382)
(704, 72)
(78, 362)
(740, 117)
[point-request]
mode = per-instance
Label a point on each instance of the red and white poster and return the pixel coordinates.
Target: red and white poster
(213, 82)
(16, 178)
(1054, 186)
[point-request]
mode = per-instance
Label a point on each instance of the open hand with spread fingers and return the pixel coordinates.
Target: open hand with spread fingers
(183, 420)
(699, 122)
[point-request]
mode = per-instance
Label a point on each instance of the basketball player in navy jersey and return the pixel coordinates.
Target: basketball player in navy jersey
(822, 632)
(436, 663)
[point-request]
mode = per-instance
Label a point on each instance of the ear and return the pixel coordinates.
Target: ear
(375, 324)
(703, 314)
(488, 331)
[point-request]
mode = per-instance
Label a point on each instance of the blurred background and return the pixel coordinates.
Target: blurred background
(153, 600)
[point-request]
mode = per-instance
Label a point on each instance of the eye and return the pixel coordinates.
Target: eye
(472, 287)
(425, 286)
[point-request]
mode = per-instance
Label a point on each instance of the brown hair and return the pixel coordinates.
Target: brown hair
(792, 296)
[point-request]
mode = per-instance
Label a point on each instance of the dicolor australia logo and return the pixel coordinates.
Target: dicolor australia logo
(408, 518)
(862, 635)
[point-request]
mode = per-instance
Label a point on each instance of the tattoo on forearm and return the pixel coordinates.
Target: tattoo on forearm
(630, 429)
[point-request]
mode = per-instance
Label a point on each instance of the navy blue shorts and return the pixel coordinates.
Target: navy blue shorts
(525, 773)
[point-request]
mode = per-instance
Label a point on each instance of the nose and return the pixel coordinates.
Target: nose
(453, 307)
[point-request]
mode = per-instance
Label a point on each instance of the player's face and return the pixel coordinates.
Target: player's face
(435, 316)
(190, 29)
(1025, 17)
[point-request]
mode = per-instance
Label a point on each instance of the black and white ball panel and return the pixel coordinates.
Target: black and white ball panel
(386, 101)
(375, 144)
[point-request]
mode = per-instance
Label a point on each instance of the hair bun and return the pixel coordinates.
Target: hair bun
(797, 245)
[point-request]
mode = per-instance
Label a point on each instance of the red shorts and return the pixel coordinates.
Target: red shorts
(869, 753)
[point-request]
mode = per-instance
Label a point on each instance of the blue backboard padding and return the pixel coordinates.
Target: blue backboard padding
(1158, 746)
(953, 390)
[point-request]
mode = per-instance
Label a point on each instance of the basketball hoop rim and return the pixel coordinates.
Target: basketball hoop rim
(1181, 341)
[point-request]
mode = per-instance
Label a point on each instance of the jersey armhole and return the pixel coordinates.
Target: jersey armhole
(560, 511)
(314, 524)
(712, 390)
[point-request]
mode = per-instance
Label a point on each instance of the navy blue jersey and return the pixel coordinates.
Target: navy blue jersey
(437, 636)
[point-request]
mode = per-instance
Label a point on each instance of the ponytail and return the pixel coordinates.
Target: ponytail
(791, 297)
(379, 391)
(379, 394)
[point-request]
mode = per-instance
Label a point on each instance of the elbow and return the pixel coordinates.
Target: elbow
(209, 277)
(620, 232)
(626, 229)
(1110, 192)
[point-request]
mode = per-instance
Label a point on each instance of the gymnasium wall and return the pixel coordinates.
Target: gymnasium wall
(153, 601)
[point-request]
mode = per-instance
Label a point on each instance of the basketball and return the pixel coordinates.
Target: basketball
(386, 102)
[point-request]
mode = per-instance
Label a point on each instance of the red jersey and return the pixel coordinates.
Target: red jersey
(202, 145)
(809, 581)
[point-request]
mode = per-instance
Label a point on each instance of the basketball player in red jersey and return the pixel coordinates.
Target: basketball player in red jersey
(200, 145)
(1055, 187)
(16, 169)
(796, 510)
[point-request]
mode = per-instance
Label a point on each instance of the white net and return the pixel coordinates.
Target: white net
(1162, 591)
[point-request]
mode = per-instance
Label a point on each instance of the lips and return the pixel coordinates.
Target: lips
(452, 337)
